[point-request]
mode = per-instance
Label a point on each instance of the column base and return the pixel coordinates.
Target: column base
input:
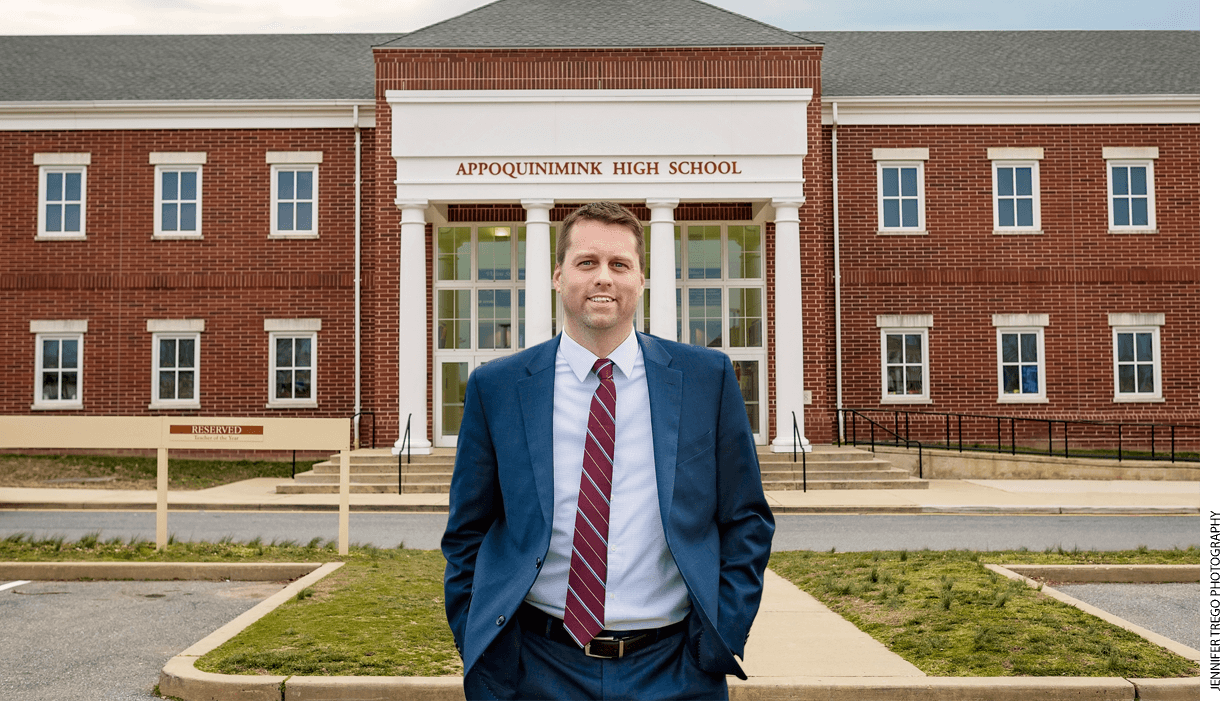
(418, 446)
(788, 445)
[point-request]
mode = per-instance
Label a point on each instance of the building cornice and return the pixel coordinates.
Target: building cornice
(185, 114)
(1011, 109)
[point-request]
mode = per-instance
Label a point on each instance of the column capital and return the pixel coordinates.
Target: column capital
(537, 211)
(412, 211)
(659, 202)
(411, 204)
(537, 203)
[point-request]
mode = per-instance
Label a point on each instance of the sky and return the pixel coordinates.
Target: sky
(279, 16)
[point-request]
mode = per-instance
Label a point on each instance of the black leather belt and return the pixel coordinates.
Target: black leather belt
(607, 645)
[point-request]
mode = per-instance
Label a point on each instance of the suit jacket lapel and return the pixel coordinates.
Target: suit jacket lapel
(537, 394)
(665, 406)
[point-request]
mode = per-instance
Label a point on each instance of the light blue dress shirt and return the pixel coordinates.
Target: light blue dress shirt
(644, 588)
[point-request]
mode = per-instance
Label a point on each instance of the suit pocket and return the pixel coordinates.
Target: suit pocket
(695, 448)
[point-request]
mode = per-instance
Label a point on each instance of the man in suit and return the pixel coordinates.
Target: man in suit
(608, 531)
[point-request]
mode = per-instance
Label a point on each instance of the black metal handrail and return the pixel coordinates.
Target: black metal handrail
(405, 448)
(853, 434)
(1013, 448)
(357, 442)
(797, 447)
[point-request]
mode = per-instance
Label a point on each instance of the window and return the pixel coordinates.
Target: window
(1129, 174)
(1137, 349)
(294, 193)
(176, 363)
(177, 194)
(1014, 178)
(292, 362)
(57, 363)
(61, 195)
(1021, 356)
(904, 358)
(900, 188)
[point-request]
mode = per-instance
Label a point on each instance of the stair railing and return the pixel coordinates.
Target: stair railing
(797, 447)
(854, 414)
(405, 447)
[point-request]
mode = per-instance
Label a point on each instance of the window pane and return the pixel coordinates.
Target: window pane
(282, 352)
(303, 384)
(68, 385)
(166, 385)
(68, 353)
(53, 221)
(72, 187)
(453, 246)
(282, 384)
(51, 355)
(170, 213)
(894, 348)
(1144, 378)
(187, 185)
(1127, 379)
(1025, 212)
(909, 182)
(747, 373)
(72, 217)
(913, 379)
(1029, 379)
(1144, 347)
(187, 216)
(891, 187)
(892, 214)
(1012, 379)
(1029, 347)
(453, 378)
(303, 180)
(170, 185)
(166, 353)
(909, 213)
(51, 385)
(286, 185)
(494, 253)
(1119, 181)
(303, 352)
(1010, 351)
(1003, 181)
(1126, 348)
(187, 353)
(55, 187)
(186, 389)
(303, 216)
(704, 252)
(1024, 181)
(1139, 182)
(895, 385)
(1007, 215)
(1140, 211)
(913, 348)
(743, 249)
(286, 216)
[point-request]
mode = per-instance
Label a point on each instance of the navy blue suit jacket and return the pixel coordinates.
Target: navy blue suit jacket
(718, 525)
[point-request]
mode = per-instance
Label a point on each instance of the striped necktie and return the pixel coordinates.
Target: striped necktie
(585, 608)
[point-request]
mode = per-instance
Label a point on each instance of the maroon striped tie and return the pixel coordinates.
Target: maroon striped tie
(585, 609)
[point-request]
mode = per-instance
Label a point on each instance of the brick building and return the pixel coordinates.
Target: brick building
(994, 223)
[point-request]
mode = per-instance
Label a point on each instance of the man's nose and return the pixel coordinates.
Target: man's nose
(604, 275)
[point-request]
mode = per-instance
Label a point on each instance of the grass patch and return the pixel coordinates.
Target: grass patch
(131, 472)
(382, 615)
(20, 547)
(949, 616)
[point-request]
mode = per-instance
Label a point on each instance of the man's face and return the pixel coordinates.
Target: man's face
(600, 281)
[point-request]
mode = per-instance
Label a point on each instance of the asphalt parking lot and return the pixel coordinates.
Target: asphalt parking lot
(108, 640)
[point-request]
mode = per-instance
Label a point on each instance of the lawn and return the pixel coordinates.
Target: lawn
(132, 472)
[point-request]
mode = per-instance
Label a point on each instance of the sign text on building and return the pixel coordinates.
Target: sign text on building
(518, 169)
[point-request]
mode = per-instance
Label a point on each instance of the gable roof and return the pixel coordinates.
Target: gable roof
(597, 23)
(1010, 63)
(189, 67)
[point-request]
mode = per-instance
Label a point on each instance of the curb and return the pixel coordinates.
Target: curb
(234, 571)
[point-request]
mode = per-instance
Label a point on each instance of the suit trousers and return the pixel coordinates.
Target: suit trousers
(547, 669)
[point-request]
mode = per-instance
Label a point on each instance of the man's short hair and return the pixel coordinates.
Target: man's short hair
(607, 213)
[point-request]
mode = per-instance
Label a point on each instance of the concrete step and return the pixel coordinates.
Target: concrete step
(324, 468)
(781, 475)
(845, 484)
(381, 478)
(359, 488)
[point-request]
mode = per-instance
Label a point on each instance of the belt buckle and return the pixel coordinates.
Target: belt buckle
(607, 639)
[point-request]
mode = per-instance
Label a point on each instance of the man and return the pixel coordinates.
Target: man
(607, 532)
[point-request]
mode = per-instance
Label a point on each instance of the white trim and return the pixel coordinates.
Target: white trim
(41, 234)
(1028, 153)
(178, 158)
(900, 154)
(919, 230)
(157, 403)
(51, 404)
(718, 95)
(60, 326)
(186, 167)
(294, 157)
(1038, 397)
(905, 321)
(185, 114)
(174, 325)
(291, 325)
(1014, 109)
(274, 335)
(1035, 169)
(1136, 319)
(61, 159)
(925, 333)
(274, 231)
(1151, 197)
(1130, 397)
(1129, 152)
(1040, 320)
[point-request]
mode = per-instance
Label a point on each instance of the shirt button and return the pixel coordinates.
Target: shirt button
(537, 562)
(499, 621)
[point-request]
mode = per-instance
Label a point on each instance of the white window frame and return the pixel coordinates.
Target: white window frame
(175, 329)
(901, 158)
(1134, 324)
(894, 324)
(292, 329)
(293, 161)
(60, 163)
(1021, 324)
(1130, 157)
(1036, 227)
(179, 162)
(58, 331)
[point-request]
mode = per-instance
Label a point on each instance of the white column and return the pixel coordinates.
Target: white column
(662, 320)
(539, 264)
(413, 335)
(788, 326)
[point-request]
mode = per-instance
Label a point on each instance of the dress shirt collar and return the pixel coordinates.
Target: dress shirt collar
(581, 360)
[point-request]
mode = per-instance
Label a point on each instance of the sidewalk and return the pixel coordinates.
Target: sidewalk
(943, 496)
